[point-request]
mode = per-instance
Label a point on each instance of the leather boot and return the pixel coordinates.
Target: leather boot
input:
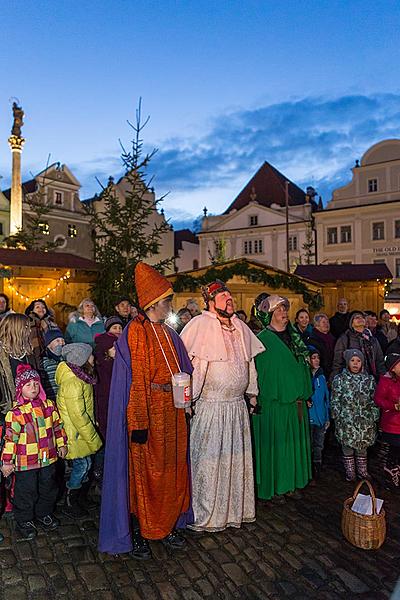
(140, 547)
(362, 468)
(71, 507)
(349, 467)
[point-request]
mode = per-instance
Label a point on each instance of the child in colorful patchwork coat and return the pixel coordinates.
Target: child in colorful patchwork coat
(355, 414)
(34, 438)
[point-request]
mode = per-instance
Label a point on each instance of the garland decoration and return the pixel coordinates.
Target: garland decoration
(186, 282)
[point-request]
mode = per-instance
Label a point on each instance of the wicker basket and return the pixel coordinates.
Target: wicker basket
(363, 531)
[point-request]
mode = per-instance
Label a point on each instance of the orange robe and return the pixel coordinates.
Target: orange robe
(158, 471)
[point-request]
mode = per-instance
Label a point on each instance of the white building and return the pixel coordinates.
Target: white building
(254, 225)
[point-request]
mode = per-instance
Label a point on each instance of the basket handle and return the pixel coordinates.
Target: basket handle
(371, 491)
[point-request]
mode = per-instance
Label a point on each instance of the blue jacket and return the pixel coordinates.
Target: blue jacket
(319, 412)
(80, 331)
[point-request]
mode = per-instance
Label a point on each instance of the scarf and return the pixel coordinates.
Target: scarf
(81, 374)
(296, 344)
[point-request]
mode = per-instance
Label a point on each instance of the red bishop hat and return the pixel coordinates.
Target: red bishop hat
(151, 286)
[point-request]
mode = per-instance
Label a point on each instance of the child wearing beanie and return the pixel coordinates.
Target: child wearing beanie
(54, 342)
(387, 397)
(355, 414)
(75, 379)
(318, 411)
(34, 437)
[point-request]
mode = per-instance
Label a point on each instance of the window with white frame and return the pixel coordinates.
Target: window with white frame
(258, 247)
(332, 236)
(378, 230)
(345, 234)
(292, 242)
(58, 198)
(248, 247)
(253, 220)
(397, 228)
(372, 185)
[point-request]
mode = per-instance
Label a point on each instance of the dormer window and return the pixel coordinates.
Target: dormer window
(58, 198)
(253, 220)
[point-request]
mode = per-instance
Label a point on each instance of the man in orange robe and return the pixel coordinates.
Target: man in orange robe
(158, 469)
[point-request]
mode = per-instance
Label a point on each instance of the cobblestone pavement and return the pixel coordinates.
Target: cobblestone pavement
(293, 551)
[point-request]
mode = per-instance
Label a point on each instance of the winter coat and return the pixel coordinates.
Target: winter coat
(305, 335)
(393, 347)
(104, 367)
(325, 344)
(76, 408)
(38, 329)
(339, 323)
(79, 331)
(374, 363)
(319, 412)
(354, 410)
(387, 394)
(48, 375)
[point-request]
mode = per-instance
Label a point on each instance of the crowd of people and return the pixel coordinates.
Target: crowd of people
(100, 405)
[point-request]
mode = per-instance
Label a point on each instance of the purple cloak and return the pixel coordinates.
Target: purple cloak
(115, 528)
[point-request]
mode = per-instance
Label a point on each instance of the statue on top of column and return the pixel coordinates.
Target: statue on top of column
(18, 114)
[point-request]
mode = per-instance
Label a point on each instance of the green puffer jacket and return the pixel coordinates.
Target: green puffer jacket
(76, 407)
(354, 410)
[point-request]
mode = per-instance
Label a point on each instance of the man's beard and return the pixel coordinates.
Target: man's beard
(224, 313)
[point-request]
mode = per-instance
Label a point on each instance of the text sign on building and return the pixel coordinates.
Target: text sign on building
(387, 250)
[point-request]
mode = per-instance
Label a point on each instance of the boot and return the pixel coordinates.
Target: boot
(71, 507)
(85, 501)
(140, 547)
(362, 468)
(350, 468)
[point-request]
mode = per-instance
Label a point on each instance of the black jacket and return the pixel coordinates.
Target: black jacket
(339, 323)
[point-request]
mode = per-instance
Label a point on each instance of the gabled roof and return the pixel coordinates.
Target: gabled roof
(184, 235)
(60, 260)
(325, 273)
(267, 187)
(28, 187)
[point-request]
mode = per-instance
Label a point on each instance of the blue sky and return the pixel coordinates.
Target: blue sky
(306, 85)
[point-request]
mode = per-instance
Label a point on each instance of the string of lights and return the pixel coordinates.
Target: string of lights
(18, 293)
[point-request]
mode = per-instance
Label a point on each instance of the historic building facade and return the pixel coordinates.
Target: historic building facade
(254, 225)
(361, 224)
(66, 223)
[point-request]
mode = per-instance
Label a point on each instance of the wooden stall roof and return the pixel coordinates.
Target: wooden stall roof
(12, 257)
(356, 272)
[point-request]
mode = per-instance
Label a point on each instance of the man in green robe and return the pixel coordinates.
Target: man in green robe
(281, 429)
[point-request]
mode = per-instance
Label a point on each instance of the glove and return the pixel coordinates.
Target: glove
(139, 436)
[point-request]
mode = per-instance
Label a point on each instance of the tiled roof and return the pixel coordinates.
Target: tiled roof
(267, 187)
(184, 235)
(325, 273)
(28, 187)
(60, 260)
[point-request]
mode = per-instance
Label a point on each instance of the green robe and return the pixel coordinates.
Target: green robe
(281, 431)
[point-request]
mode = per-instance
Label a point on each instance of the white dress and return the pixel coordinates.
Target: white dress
(220, 441)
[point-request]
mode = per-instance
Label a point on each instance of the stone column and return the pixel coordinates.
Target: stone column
(16, 144)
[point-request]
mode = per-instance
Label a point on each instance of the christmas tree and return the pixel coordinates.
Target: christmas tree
(122, 234)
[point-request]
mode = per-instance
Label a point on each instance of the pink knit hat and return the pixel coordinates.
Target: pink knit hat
(25, 374)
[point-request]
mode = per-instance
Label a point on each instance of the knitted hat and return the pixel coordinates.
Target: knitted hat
(391, 360)
(151, 286)
(353, 314)
(210, 290)
(52, 334)
(25, 373)
(348, 355)
(313, 350)
(76, 354)
(112, 321)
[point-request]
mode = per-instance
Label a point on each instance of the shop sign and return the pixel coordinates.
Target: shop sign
(387, 250)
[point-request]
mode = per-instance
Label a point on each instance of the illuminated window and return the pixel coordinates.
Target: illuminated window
(72, 231)
(44, 228)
